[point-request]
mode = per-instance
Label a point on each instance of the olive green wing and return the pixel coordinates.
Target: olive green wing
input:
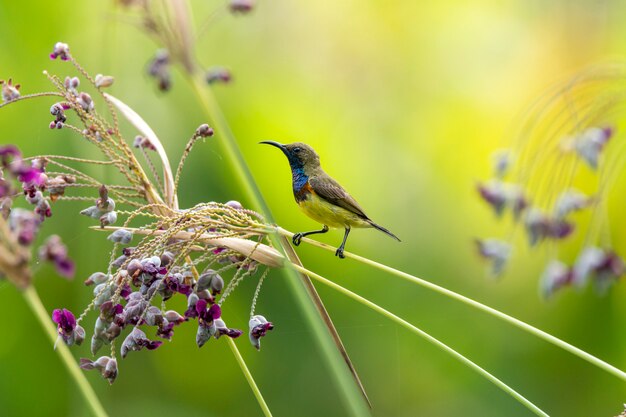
(330, 190)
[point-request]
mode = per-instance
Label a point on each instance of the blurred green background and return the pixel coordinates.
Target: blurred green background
(404, 101)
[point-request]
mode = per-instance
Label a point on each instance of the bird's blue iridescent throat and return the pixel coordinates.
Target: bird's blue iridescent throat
(299, 178)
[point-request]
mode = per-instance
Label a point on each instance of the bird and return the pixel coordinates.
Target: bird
(321, 197)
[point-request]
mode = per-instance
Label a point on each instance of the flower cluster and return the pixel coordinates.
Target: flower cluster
(202, 253)
(103, 210)
(535, 182)
(173, 34)
(27, 179)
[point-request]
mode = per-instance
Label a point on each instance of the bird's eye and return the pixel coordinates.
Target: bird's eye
(296, 150)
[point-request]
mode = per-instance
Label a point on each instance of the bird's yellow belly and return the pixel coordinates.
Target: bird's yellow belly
(329, 214)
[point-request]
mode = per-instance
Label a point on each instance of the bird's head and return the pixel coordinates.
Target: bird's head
(300, 155)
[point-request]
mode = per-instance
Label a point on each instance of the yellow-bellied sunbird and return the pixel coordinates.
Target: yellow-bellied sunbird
(320, 197)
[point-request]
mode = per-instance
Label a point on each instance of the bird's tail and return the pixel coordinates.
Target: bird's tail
(382, 229)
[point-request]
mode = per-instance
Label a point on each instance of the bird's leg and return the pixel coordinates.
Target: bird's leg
(339, 251)
(297, 238)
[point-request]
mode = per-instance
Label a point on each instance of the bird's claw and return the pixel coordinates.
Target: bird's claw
(296, 239)
(339, 253)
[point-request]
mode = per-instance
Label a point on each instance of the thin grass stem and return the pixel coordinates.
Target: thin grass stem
(249, 378)
(475, 304)
(520, 398)
(38, 309)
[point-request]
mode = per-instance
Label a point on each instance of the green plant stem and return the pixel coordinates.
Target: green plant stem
(249, 378)
(426, 336)
(489, 310)
(35, 304)
(352, 397)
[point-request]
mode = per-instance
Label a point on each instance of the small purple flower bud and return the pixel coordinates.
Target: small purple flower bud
(207, 316)
(40, 164)
(165, 81)
(96, 344)
(159, 68)
(160, 59)
(107, 367)
(108, 311)
(134, 268)
(43, 209)
(537, 224)
(53, 250)
(259, 326)
(223, 330)
(66, 326)
(571, 201)
(136, 341)
(110, 371)
(204, 280)
(210, 280)
(92, 212)
(500, 195)
(125, 291)
(24, 224)
(609, 271)
(174, 317)
(71, 84)
(86, 102)
(99, 363)
(167, 258)
(30, 177)
(587, 262)
(204, 131)
(234, 204)
(79, 335)
(36, 198)
(605, 266)
(218, 75)
(65, 320)
(496, 251)
(142, 142)
(152, 266)
(206, 295)
(103, 81)
(102, 294)
(589, 144)
(58, 111)
(100, 326)
(10, 92)
(204, 333)
(122, 236)
(241, 6)
(191, 311)
(56, 186)
(119, 261)
(61, 50)
(555, 276)
(96, 278)
(154, 316)
(108, 218)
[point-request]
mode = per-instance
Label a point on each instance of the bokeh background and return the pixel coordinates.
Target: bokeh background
(404, 101)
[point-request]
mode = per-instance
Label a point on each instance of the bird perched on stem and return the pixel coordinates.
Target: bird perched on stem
(321, 197)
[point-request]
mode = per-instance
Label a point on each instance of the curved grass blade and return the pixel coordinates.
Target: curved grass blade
(520, 398)
(489, 310)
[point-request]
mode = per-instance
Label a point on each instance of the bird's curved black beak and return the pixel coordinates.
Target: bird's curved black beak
(276, 144)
